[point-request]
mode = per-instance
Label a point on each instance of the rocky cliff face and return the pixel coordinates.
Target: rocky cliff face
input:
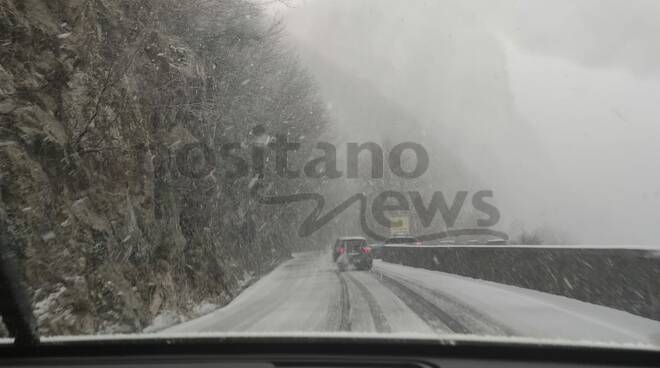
(98, 98)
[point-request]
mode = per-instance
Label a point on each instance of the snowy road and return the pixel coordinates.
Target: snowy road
(307, 293)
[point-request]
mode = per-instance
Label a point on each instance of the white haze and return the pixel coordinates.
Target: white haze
(554, 105)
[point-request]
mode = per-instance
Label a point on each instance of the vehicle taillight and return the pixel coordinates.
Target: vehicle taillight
(366, 250)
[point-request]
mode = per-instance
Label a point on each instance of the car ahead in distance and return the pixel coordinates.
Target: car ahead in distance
(403, 239)
(339, 243)
(353, 251)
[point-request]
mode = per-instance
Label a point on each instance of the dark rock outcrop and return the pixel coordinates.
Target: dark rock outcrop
(97, 100)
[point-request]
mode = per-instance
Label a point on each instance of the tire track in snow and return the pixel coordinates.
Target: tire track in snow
(429, 312)
(344, 305)
(478, 323)
(377, 315)
(465, 315)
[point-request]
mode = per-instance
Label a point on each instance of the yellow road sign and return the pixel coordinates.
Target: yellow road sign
(399, 225)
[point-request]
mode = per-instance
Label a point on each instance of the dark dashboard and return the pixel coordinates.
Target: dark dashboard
(308, 353)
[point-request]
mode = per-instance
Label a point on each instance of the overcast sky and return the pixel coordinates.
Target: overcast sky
(554, 105)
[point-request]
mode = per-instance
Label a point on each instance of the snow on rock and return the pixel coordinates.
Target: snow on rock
(44, 306)
(164, 320)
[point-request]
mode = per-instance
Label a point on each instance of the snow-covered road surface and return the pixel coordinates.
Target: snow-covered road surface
(307, 293)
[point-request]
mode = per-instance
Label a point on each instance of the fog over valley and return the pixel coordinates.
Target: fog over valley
(551, 105)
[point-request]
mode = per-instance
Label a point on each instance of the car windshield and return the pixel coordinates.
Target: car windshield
(219, 167)
(355, 245)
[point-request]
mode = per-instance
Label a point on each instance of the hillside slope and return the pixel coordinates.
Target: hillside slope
(99, 100)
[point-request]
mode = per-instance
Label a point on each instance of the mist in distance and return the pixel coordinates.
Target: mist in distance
(553, 105)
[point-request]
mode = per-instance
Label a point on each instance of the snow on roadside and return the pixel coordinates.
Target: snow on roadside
(170, 318)
(163, 321)
(204, 308)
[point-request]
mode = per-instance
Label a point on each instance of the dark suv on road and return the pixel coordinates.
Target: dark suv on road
(353, 251)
